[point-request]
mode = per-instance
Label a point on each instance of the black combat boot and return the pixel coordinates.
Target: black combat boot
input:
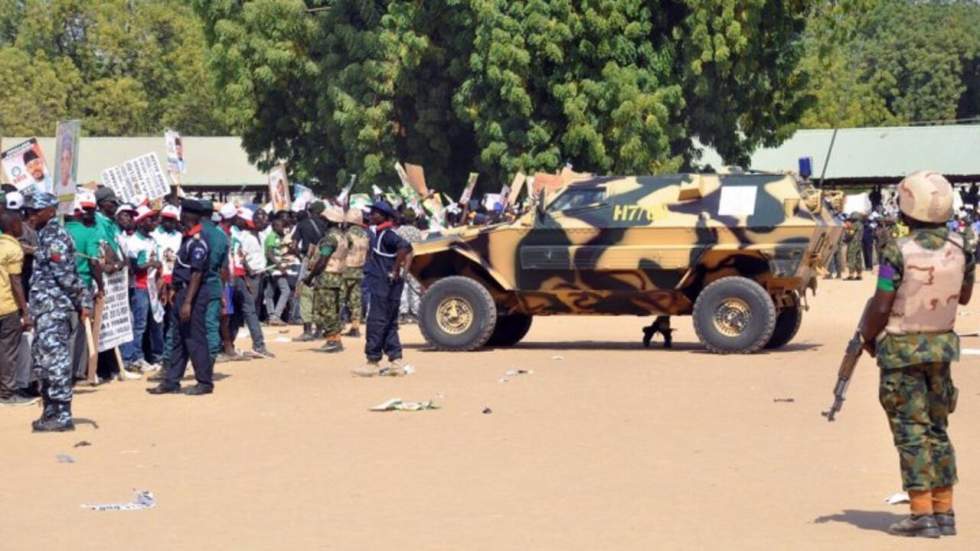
(60, 420)
(49, 408)
(916, 526)
(946, 523)
(332, 346)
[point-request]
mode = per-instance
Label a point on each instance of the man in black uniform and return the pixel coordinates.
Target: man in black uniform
(388, 255)
(189, 314)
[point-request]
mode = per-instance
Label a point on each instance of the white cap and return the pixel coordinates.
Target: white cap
(85, 198)
(126, 207)
(142, 212)
(245, 214)
(15, 201)
(228, 211)
(170, 211)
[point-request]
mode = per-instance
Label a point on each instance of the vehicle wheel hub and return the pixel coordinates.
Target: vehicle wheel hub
(454, 315)
(732, 317)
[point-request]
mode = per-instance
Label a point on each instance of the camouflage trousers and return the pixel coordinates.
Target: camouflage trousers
(326, 309)
(52, 361)
(855, 256)
(917, 401)
(353, 298)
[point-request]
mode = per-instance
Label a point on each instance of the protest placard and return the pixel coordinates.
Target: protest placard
(468, 191)
(416, 178)
(279, 188)
(26, 168)
(66, 164)
(515, 188)
(140, 177)
(175, 155)
(548, 183)
(116, 327)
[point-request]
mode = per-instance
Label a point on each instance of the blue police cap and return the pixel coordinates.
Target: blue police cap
(40, 200)
(384, 208)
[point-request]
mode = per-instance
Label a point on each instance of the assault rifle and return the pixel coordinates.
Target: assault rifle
(851, 356)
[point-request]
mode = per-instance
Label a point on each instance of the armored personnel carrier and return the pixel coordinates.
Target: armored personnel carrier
(735, 252)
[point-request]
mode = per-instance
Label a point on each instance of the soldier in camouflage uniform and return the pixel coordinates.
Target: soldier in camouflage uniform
(855, 255)
(358, 243)
(909, 326)
(56, 292)
(327, 279)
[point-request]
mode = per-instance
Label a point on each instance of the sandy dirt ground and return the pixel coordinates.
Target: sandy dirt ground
(605, 445)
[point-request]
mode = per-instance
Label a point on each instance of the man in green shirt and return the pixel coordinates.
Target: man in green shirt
(88, 239)
(218, 245)
(105, 218)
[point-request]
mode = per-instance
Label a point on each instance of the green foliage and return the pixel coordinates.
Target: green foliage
(878, 62)
(505, 85)
(34, 91)
(123, 67)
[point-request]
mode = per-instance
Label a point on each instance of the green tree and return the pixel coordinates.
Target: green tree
(499, 85)
(133, 66)
(34, 91)
(878, 62)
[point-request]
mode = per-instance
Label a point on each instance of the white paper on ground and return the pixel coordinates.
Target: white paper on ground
(898, 498)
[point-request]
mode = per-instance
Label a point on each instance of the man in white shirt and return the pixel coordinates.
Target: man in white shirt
(249, 263)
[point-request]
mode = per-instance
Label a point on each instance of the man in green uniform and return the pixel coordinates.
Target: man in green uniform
(855, 257)
(358, 244)
(908, 324)
(327, 279)
(218, 245)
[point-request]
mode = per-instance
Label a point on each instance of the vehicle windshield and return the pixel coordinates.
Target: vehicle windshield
(576, 198)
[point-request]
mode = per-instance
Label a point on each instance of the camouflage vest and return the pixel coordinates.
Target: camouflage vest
(359, 245)
(335, 264)
(929, 293)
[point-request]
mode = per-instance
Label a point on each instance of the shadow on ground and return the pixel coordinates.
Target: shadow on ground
(878, 521)
(692, 347)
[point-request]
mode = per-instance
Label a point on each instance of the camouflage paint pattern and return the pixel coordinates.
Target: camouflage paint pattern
(927, 299)
(926, 196)
(639, 245)
(353, 297)
(918, 400)
(855, 252)
(899, 348)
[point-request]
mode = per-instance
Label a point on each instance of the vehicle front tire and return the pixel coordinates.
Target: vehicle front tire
(457, 314)
(510, 329)
(787, 325)
(734, 315)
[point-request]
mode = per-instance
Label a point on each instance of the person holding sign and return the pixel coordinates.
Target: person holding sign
(189, 314)
(56, 292)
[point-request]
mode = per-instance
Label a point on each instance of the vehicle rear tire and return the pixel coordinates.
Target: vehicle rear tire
(788, 323)
(734, 315)
(457, 314)
(510, 329)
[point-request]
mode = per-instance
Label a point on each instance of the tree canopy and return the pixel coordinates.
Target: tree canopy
(878, 62)
(335, 87)
(498, 86)
(123, 67)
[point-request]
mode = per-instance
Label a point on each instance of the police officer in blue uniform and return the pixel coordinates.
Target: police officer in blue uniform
(189, 314)
(383, 281)
(56, 291)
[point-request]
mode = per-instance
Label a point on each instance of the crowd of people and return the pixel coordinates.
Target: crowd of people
(197, 274)
(865, 236)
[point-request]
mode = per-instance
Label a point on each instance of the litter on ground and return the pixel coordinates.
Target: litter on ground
(514, 373)
(897, 499)
(143, 500)
(397, 404)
